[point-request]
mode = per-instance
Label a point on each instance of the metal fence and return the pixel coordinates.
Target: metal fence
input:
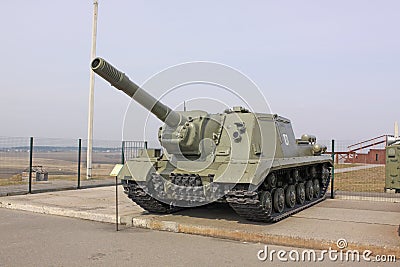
(55, 164)
(359, 171)
(130, 149)
(29, 165)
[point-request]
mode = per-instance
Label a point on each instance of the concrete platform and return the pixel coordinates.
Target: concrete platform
(364, 224)
(53, 185)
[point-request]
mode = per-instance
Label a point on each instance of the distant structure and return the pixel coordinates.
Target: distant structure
(356, 153)
(373, 156)
(38, 173)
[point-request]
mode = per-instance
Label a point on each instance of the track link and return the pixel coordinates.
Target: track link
(247, 205)
(147, 202)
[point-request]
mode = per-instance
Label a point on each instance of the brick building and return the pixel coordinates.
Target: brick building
(374, 156)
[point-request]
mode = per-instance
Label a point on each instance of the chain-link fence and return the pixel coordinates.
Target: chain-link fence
(105, 154)
(57, 164)
(14, 164)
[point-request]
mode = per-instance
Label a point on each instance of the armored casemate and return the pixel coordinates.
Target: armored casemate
(250, 160)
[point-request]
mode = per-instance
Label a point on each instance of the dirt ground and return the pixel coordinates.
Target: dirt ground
(60, 165)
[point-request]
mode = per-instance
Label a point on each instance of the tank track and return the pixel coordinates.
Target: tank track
(138, 195)
(186, 189)
(248, 205)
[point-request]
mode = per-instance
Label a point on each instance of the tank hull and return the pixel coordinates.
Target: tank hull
(171, 190)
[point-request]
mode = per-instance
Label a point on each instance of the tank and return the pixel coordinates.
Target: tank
(392, 169)
(252, 161)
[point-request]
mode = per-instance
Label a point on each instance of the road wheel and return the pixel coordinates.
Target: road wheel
(266, 202)
(279, 200)
(317, 188)
(309, 190)
(290, 196)
(300, 193)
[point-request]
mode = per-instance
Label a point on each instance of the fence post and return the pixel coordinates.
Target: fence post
(123, 153)
(30, 165)
(79, 162)
(116, 202)
(333, 170)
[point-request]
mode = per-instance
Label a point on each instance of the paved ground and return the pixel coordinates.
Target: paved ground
(96, 204)
(52, 185)
(364, 224)
(30, 239)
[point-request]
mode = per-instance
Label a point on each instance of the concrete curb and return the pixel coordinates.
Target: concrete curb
(254, 237)
(60, 212)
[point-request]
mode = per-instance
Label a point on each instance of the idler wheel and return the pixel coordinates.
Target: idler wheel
(266, 202)
(317, 188)
(309, 190)
(301, 193)
(279, 200)
(290, 196)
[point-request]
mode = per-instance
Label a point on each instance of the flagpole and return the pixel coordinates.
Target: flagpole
(91, 95)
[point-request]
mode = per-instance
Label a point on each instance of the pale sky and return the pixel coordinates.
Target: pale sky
(331, 67)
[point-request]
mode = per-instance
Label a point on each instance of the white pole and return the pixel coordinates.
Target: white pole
(91, 95)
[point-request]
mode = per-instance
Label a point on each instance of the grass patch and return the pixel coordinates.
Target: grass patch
(366, 180)
(14, 180)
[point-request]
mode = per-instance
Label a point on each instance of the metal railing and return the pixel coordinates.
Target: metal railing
(30, 165)
(130, 149)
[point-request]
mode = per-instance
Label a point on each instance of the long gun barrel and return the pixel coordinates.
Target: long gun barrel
(120, 81)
